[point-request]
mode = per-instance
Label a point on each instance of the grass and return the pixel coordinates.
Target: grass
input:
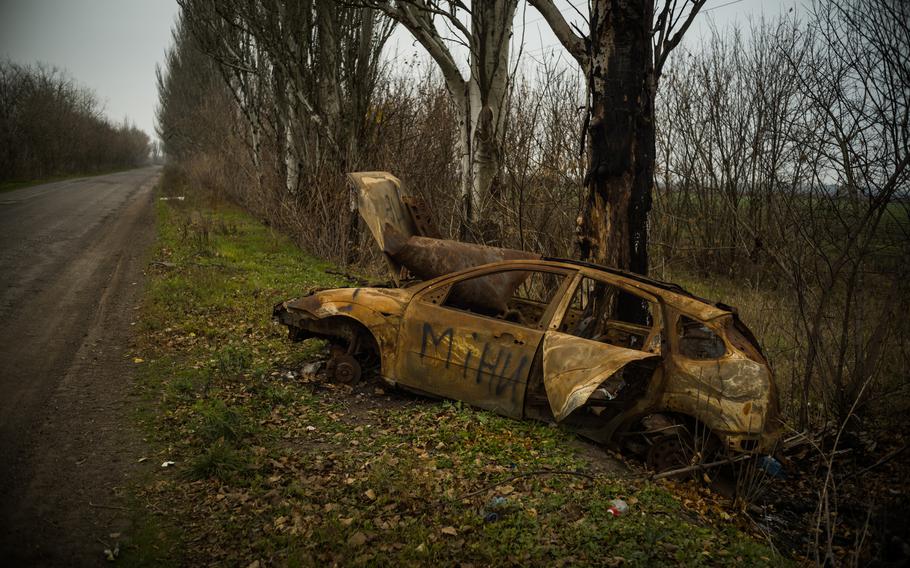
(283, 468)
(220, 461)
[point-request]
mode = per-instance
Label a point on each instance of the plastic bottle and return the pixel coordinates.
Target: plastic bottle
(618, 507)
(771, 466)
(498, 502)
(495, 509)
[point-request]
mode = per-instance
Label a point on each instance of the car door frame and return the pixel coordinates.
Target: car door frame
(568, 386)
(418, 336)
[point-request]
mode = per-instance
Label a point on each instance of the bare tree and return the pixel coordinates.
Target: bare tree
(805, 183)
(622, 56)
(479, 98)
(856, 76)
(306, 68)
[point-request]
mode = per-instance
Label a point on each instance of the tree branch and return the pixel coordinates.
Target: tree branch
(666, 22)
(419, 22)
(574, 44)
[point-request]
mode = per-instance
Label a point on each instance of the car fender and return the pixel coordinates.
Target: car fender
(379, 310)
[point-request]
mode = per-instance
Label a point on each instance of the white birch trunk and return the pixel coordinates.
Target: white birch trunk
(291, 155)
(488, 89)
(479, 99)
(328, 88)
(464, 152)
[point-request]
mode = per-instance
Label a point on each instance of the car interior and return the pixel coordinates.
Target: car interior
(581, 318)
(525, 304)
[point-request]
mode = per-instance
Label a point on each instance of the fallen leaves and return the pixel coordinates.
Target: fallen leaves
(357, 539)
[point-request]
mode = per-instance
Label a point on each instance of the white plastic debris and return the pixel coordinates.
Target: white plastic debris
(311, 368)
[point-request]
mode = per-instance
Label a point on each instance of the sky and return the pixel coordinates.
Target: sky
(540, 43)
(112, 46)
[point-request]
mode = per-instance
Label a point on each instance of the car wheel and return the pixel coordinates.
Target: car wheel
(670, 451)
(345, 369)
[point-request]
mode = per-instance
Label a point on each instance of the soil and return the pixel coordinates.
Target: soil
(72, 255)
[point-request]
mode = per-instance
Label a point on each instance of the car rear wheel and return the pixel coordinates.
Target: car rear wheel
(677, 443)
(669, 452)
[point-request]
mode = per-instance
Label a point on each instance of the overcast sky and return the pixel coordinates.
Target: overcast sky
(112, 46)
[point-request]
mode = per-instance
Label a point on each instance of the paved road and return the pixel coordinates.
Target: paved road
(71, 260)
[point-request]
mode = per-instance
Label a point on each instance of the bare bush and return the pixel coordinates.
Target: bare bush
(799, 186)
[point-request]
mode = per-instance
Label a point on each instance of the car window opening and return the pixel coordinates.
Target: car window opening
(698, 341)
(517, 296)
(602, 312)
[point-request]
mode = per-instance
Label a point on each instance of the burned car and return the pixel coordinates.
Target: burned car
(553, 340)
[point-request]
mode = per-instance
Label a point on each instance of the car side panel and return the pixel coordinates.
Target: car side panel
(482, 361)
(733, 395)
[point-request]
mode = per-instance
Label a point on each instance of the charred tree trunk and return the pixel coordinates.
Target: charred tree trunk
(622, 56)
(612, 228)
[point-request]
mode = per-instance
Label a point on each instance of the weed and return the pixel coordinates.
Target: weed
(181, 386)
(277, 395)
(219, 461)
(217, 421)
(232, 360)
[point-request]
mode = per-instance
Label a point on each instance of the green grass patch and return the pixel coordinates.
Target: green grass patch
(288, 470)
(220, 461)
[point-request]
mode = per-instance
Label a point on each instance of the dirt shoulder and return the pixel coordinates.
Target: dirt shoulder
(72, 264)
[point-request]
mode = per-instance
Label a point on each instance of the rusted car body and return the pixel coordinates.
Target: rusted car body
(533, 366)
(523, 337)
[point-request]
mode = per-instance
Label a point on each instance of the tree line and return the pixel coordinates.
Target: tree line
(50, 126)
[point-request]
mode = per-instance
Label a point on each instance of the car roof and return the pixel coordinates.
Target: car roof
(673, 294)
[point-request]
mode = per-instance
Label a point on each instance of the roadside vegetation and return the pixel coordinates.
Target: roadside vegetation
(274, 464)
(13, 185)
